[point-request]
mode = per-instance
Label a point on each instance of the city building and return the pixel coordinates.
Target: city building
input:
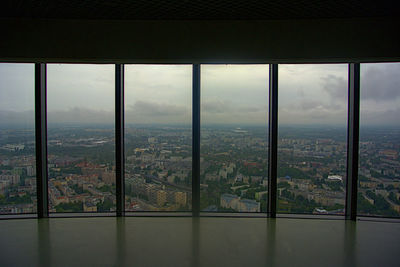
(181, 198)
(89, 207)
(161, 198)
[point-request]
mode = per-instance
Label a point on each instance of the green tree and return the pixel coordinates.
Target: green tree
(70, 207)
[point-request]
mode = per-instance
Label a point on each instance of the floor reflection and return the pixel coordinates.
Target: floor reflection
(350, 242)
(195, 242)
(44, 243)
(120, 254)
(270, 242)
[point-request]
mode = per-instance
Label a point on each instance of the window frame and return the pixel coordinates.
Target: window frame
(352, 144)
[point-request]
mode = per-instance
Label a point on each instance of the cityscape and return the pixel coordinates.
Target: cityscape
(158, 168)
(233, 176)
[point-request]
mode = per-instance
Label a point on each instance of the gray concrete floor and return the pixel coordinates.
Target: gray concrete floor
(144, 241)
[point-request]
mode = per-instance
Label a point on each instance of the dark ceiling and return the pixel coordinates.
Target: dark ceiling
(197, 10)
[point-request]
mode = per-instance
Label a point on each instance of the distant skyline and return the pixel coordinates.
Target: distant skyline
(231, 94)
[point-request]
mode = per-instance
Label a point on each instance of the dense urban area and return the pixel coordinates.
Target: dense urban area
(233, 177)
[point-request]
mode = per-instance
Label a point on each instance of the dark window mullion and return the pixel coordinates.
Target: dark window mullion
(272, 139)
(353, 129)
(119, 139)
(41, 140)
(196, 141)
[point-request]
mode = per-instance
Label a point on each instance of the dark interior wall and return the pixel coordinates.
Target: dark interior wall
(283, 41)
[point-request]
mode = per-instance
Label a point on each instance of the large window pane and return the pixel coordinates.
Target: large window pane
(17, 139)
(81, 150)
(234, 133)
(312, 138)
(379, 172)
(158, 137)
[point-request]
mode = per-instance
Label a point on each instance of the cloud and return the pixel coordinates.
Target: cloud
(80, 115)
(312, 111)
(216, 106)
(252, 109)
(318, 115)
(300, 93)
(306, 105)
(71, 116)
(17, 118)
(335, 86)
(153, 112)
(226, 112)
(227, 107)
(380, 82)
(234, 94)
(150, 109)
(383, 117)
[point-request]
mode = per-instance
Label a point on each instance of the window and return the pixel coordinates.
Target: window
(81, 143)
(379, 170)
(312, 138)
(158, 137)
(234, 138)
(17, 139)
(312, 141)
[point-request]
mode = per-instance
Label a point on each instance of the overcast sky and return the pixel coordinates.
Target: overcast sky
(235, 94)
(313, 94)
